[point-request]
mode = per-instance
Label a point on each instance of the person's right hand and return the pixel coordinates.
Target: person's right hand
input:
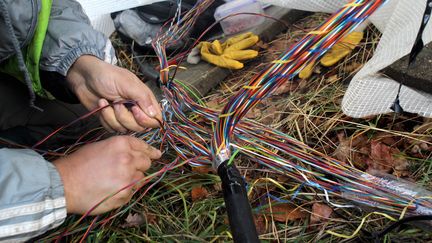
(99, 169)
(96, 83)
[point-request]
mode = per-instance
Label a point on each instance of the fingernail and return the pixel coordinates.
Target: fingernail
(159, 153)
(103, 102)
(151, 111)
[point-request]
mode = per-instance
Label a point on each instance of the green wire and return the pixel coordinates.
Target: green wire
(192, 92)
(233, 156)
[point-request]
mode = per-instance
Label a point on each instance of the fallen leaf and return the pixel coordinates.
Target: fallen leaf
(425, 146)
(354, 149)
(262, 45)
(133, 220)
(387, 139)
(260, 224)
(384, 158)
(254, 113)
(151, 218)
(286, 87)
(320, 213)
(199, 193)
(415, 149)
(332, 79)
(380, 158)
(270, 114)
(215, 104)
(285, 212)
(352, 67)
(202, 169)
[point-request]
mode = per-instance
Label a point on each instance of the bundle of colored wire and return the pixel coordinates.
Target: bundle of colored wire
(192, 141)
(179, 27)
(188, 126)
(284, 154)
(307, 50)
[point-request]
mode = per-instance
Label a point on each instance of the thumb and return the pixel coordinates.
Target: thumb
(147, 112)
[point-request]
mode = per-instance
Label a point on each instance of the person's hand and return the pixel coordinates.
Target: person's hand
(96, 82)
(100, 169)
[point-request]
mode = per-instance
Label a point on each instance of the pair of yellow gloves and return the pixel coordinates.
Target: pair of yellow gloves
(227, 54)
(230, 53)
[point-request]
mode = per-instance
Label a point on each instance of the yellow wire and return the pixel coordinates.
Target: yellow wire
(318, 32)
(277, 184)
(354, 234)
(411, 203)
(281, 61)
(251, 87)
(171, 66)
(353, 4)
(226, 115)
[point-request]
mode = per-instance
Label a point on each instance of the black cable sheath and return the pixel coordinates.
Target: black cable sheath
(403, 221)
(237, 204)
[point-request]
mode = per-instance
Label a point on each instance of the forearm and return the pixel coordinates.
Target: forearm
(31, 195)
(69, 36)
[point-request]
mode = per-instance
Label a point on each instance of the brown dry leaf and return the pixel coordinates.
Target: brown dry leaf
(262, 45)
(151, 218)
(380, 158)
(386, 138)
(303, 86)
(281, 44)
(215, 104)
(352, 67)
(260, 224)
(203, 169)
(383, 159)
(332, 79)
(199, 193)
(286, 87)
(133, 220)
(355, 149)
(270, 114)
(320, 213)
(254, 113)
(286, 212)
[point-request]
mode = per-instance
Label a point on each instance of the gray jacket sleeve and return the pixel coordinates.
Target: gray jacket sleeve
(31, 195)
(69, 36)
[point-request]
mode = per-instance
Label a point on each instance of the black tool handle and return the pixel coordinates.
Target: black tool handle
(237, 204)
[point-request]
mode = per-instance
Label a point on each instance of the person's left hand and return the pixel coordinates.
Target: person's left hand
(96, 83)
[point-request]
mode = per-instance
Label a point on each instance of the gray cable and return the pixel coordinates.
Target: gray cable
(21, 64)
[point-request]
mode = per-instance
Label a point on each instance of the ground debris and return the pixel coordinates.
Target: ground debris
(283, 212)
(199, 193)
(134, 220)
(320, 213)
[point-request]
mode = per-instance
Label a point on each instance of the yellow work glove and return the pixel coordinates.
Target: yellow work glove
(336, 53)
(230, 53)
(341, 49)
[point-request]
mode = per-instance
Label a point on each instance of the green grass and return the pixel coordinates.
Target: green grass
(311, 114)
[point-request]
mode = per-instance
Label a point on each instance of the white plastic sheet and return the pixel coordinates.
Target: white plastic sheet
(370, 93)
(99, 11)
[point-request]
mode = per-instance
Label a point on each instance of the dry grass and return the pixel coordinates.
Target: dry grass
(308, 110)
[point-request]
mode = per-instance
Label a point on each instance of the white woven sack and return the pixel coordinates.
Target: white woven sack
(370, 93)
(99, 11)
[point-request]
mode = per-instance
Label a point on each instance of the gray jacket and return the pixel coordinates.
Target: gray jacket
(31, 191)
